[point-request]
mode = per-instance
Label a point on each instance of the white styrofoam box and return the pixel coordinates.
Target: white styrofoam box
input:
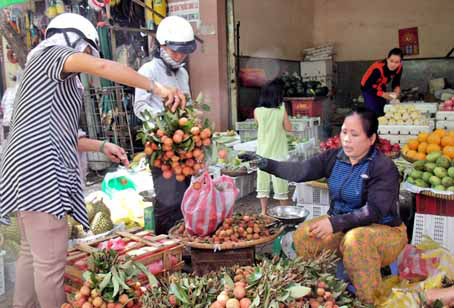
(246, 184)
(306, 194)
(421, 106)
(400, 139)
(2, 272)
(250, 146)
(439, 228)
(316, 68)
(316, 210)
(405, 129)
(445, 115)
(447, 125)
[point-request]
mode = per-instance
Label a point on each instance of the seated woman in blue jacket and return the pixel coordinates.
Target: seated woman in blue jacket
(363, 223)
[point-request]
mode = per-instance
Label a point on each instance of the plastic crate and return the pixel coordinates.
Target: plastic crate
(247, 134)
(311, 107)
(439, 228)
(444, 116)
(2, 272)
(316, 210)
(308, 133)
(404, 129)
(246, 125)
(425, 107)
(300, 124)
(447, 125)
(434, 206)
(246, 184)
(306, 194)
(400, 139)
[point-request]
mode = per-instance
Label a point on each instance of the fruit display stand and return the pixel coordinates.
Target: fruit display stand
(141, 246)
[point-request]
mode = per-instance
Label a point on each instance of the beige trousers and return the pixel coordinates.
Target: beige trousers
(41, 263)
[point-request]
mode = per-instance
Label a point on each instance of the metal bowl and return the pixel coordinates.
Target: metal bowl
(289, 214)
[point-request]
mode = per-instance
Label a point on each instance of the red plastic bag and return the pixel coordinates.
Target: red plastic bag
(412, 266)
(207, 204)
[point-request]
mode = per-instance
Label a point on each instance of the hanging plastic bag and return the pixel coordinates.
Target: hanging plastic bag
(412, 266)
(207, 203)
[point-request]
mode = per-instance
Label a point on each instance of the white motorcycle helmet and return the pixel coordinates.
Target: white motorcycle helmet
(70, 22)
(176, 33)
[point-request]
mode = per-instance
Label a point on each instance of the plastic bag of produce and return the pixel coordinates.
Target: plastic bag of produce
(207, 203)
(413, 267)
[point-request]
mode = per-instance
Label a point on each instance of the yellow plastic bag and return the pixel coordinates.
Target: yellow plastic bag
(398, 293)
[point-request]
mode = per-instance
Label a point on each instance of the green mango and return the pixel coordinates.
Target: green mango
(426, 176)
(416, 174)
(440, 172)
(447, 181)
(439, 187)
(434, 180)
(451, 188)
(411, 180)
(451, 172)
(432, 157)
(443, 161)
(430, 166)
(419, 164)
(421, 183)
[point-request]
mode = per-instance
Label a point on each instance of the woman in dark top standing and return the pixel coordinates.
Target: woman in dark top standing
(376, 78)
(363, 223)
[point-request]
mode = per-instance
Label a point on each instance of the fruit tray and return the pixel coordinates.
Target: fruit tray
(202, 243)
(161, 252)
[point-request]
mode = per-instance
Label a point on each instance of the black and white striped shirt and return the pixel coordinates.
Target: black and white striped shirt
(39, 167)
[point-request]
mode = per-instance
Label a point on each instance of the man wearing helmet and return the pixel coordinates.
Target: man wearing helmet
(175, 42)
(39, 171)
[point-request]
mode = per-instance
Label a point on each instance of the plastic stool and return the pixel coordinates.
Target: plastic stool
(342, 274)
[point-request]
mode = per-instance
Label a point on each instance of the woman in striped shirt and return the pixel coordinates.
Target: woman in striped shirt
(40, 178)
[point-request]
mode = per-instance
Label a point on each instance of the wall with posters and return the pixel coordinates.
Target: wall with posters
(274, 28)
(367, 30)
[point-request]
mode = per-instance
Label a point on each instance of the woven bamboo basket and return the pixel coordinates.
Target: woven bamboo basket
(234, 245)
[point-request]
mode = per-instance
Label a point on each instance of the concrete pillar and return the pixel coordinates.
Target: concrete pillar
(208, 65)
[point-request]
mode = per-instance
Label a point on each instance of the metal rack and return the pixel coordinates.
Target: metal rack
(107, 115)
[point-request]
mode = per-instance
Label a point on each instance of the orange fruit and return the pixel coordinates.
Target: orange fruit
(412, 154)
(422, 147)
(405, 149)
(434, 139)
(449, 151)
(422, 137)
(413, 144)
(420, 156)
(433, 148)
(451, 133)
(440, 132)
(447, 140)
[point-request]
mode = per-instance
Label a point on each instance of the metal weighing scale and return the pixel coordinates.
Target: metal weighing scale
(290, 217)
